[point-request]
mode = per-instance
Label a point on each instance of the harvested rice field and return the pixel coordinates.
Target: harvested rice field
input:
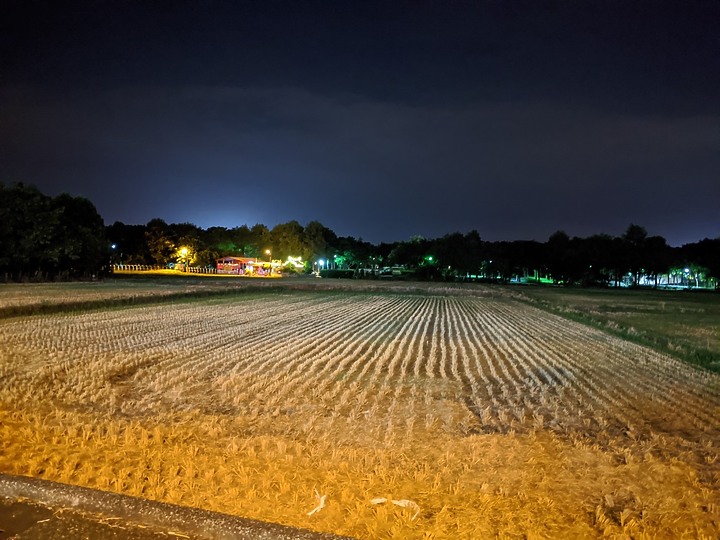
(433, 413)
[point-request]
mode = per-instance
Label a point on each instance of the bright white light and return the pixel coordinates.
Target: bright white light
(294, 261)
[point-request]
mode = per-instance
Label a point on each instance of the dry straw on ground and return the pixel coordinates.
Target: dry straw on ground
(470, 416)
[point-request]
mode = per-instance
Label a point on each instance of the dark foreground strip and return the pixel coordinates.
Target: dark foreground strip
(191, 522)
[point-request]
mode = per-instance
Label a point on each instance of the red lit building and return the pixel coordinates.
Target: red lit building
(236, 265)
(247, 266)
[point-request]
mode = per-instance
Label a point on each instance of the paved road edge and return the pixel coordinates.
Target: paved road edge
(201, 523)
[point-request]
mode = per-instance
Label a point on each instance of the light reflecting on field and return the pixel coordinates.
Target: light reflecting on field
(492, 416)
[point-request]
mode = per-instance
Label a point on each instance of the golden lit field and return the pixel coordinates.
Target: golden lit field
(479, 416)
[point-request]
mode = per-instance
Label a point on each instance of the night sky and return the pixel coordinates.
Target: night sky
(382, 120)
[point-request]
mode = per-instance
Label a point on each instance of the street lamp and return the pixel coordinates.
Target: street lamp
(184, 257)
(269, 254)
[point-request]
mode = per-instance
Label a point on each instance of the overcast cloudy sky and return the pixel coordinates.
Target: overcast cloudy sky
(382, 120)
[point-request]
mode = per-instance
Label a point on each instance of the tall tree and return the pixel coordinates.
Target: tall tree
(319, 241)
(160, 242)
(42, 237)
(28, 223)
(656, 257)
(558, 249)
(258, 241)
(286, 239)
(80, 236)
(635, 238)
(130, 243)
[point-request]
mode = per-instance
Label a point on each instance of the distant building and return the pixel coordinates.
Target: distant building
(248, 266)
(236, 265)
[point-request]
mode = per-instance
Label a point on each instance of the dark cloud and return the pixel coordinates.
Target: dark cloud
(381, 122)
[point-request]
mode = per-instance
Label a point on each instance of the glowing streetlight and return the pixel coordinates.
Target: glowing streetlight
(184, 256)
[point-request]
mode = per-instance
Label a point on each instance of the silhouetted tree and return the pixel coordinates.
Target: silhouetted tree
(286, 239)
(558, 248)
(656, 257)
(635, 238)
(318, 242)
(705, 253)
(130, 243)
(80, 237)
(42, 237)
(159, 238)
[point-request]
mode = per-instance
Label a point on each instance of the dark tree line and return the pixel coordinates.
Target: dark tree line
(63, 237)
(598, 260)
(160, 243)
(44, 237)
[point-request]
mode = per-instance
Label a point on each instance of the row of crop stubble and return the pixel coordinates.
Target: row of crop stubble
(363, 395)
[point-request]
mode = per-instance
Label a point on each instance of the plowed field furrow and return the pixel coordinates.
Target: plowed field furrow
(646, 375)
(313, 352)
(489, 363)
(289, 343)
(409, 351)
(506, 362)
(615, 371)
(384, 369)
(544, 356)
(115, 328)
(328, 352)
(350, 340)
(586, 398)
(475, 394)
(493, 417)
(432, 363)
(669, 396)
(348, 375)
(492, 356)
(594, 338)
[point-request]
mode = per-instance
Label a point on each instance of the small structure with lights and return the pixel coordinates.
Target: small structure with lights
(234, 265)
(247, 266)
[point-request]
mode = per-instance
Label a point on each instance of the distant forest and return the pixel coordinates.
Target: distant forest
(64, 237)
